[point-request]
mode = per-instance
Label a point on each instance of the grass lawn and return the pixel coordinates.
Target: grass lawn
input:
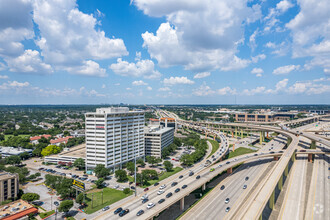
(160, 177)
(21, 135)
(110, 196)
(240, 151)
(45, 214)
(215, 146)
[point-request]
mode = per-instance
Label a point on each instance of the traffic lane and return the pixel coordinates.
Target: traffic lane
(321, 205)
(293, 204)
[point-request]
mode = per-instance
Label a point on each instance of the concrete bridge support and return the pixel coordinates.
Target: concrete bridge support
(310, 158)
(204, 187)
(280, 183)
(293, 157)
(230, 170)
(242, 133)
(275, 158)
(272, 200)
(260, 137)
(182, 204)
(235, 131)
(286, 171)
(313, 145)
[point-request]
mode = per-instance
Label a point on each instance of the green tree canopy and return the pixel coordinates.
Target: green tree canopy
(140, 161)
(101, 172)
(65, 206)
(131, 167)
(30, 197)
(149, 174)
(51, 149)
(99, 183)
(79, 163)
(121, 175)
(80, 198)
(168, 166)
(14, 160)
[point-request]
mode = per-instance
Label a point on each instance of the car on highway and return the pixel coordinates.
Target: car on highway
(222, 187)
(245, 186)
(227, 209)
(184, 186)
(212, 169)
(144, 197)
(228, 162)
(302, 150)
(132, 187)
(180, 177)
(139, 212)
(246, 178)
(174, 184)
(192, 173)
(156, 184)
(106, 208)
(160, 192)
(162, 186)
(161, 201)
(150, 205)
(227, 200)
(220, 165)
(177, 190)
(146, 189)
(123, 212)
(272, 152)
(145, 200)
(197, 177)
(169, 195)
(255, 154)
(56, 203)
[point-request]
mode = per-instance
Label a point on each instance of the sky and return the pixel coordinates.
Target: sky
(164, 52)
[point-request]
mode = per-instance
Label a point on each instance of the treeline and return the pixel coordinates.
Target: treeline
(200, 146)
(171, 148)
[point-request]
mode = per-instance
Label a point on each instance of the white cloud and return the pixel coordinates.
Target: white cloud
(253, 43)
(270, 45)
(4, 77)
(164, 89)
(13, 85)
(202, 75)
(200, 35)
(142, 68)
(117, 84)
(203, 90)
(257, 90)
(279, 87)
(149, 88)
(226, 91)
(103, 86)
(284, 5)
(28, 62)
(310, 31)
(139, 83)
(177, 80)
(88, 68)
(285, 69)
(128, 88)
(257, 71)
(258, 57)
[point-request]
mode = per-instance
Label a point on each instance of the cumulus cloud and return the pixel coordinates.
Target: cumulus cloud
(149, 88)
(279, 87)
(257, 71)
(139, 83)
(164, 89)
(4, 77)
(28, 62)
(310, 31)
(202, 75)
(226, 91)
(203, 90)
(284, 5)
(285, 69)
(142, 68)
(177, 80)
(200, 35)
(257, 90)
(88, 68)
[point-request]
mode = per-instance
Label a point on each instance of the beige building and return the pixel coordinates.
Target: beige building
(156, 138)
(267, 117)
(9, 186)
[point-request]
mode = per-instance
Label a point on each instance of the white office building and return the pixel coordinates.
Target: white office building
(113, 136)
(157, 138)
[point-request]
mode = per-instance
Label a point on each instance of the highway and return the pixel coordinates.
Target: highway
(318, 206)
(294, 200)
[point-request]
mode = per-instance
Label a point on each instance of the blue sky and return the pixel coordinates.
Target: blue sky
(164, 52)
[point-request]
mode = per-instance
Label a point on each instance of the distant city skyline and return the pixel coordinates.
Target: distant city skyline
(164, 52)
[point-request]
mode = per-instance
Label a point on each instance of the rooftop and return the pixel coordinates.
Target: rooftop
(16, 210)
(59, 140)
(157, 130)
(38, 137)
(78, 151)
(13, 150)
(112, 110)
(5, 175)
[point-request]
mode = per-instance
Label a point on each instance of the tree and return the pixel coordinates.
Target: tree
(30, 197)
(100, 171)
(51, 149)
(141, 162)
(65, 206)
(177, 141)
(126, 190)
(66, 133)
(79, 163)
(14, 160)
(121, 175)
(24, 155)
(149, 175)
(2, 137)
(80, 198)
(168, 166)
(131, 167)
(99, 183)
(153, 160)
(187, 160)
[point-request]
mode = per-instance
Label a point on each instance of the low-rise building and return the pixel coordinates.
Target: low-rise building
(265, 117)
(156, 139)
(13, 151)
(59, 141)
(19, 209)
(68, 155)
(167, 122)
(35, 139)
(9, 186)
